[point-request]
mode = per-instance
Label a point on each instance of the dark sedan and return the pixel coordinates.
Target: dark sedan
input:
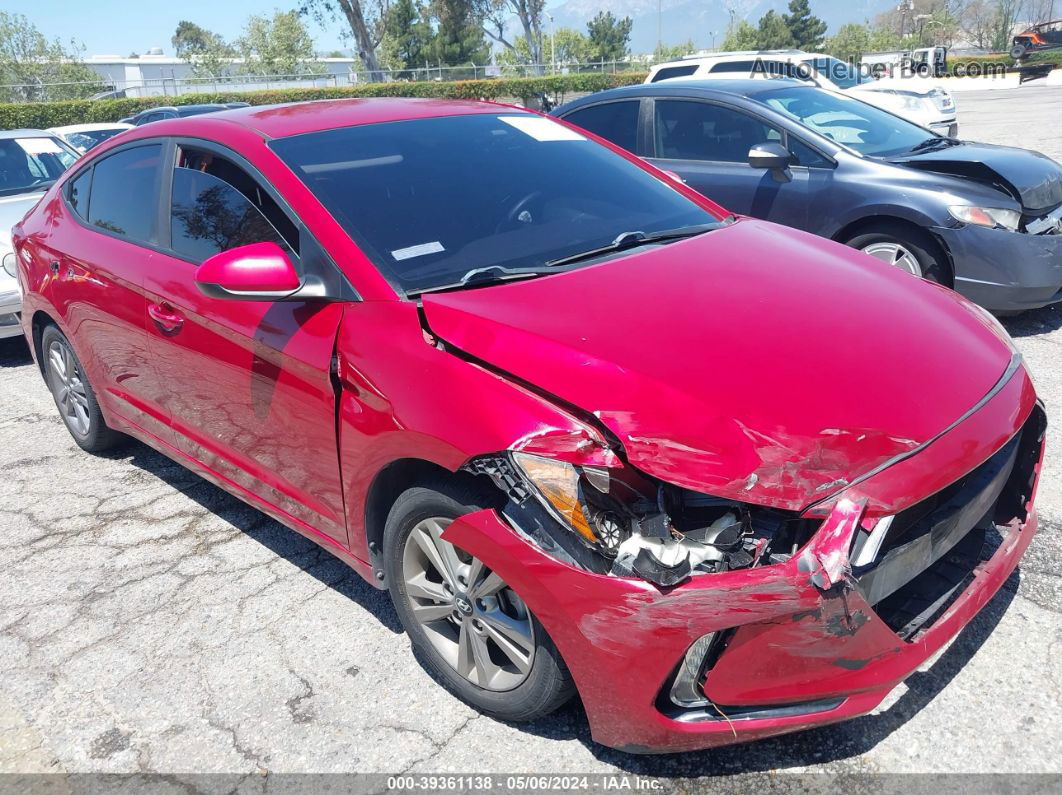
(986, 220)
(180, 111)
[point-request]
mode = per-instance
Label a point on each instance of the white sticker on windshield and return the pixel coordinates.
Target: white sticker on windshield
(40, 146)
(541, 129)
(434, 247)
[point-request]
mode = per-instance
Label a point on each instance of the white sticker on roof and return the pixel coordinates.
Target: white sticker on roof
(434, 247)
(541, 129)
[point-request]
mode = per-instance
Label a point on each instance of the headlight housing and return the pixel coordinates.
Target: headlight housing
(622, 522)
(992, 217)
(9, 266)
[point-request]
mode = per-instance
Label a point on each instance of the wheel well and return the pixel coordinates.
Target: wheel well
(863, 225)
(41, 320)
(386, 487)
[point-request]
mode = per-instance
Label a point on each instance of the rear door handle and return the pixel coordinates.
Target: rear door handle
(166, 317)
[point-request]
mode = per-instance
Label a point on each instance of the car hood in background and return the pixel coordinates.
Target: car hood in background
(1033, 179)
(13, 208)
(754, 362)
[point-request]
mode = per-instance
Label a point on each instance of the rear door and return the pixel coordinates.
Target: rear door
(707, 144)
(246, 384)
(97, 264)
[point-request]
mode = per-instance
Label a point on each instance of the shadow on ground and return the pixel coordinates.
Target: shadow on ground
(1035, 321)
(282, 541)
(14, 353)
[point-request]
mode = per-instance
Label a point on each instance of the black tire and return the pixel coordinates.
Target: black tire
(547, 686)
(95, 437)
(931, 258)
(1017, 52)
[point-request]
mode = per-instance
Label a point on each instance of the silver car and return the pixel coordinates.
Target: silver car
(30, 161)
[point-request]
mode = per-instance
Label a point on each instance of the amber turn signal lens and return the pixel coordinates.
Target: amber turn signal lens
(558, 484)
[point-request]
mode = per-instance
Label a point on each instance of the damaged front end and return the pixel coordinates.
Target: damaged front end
(625, 523)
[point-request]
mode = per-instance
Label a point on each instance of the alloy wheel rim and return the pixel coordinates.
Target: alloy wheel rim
(471, 617)
(69, 387)
(895, 254)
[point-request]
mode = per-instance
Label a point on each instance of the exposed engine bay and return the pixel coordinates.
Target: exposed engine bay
(627, 524)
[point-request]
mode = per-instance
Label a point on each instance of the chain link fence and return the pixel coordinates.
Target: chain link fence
(176, 84)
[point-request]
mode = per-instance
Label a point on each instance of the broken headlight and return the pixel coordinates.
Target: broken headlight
(641, 527)
(992, 217)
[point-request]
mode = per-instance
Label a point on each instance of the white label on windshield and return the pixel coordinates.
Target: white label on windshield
(40, 146)
(541, 129)
(434, 247)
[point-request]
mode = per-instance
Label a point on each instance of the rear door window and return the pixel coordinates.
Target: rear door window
(614, 121)
(216, 206)
(125, 191)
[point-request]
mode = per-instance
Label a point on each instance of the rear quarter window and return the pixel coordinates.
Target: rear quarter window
(674, 71)
(613, 121)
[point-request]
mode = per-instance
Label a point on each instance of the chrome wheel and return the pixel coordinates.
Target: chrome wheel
(68, 385)
(894, 254)
(476, 622)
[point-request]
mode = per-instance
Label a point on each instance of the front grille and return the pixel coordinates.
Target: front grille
(933, 548)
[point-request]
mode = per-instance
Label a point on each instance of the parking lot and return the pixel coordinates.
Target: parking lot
(151, 623)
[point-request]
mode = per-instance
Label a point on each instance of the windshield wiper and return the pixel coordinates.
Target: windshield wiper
(933, 143)
(484, 277)
(626, 240)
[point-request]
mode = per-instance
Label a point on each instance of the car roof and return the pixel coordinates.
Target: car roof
(25, 133)
(281, 121)
(743, 87)
(76, 128)
(742, 55)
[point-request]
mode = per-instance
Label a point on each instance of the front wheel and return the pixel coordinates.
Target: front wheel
(472, 630)
(910, 250)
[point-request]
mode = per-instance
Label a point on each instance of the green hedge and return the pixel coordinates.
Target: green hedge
(54, 114)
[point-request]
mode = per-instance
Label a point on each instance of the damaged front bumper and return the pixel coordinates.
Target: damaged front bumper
(810, 641)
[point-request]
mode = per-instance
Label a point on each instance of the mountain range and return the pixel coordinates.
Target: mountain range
(680, 20)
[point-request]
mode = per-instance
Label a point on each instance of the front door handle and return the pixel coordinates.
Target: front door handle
(165, 317)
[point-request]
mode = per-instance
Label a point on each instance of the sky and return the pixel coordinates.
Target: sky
(118, 27)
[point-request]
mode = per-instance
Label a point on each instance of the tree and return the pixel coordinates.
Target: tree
(572, 47)
(850, 42)
(1003, 26)
(667, 52)
(365, 23)
(609, 36)
(407, 40)
(773, 33)
(494, 16)
(277, 46)
(208, 52)
(459, 39)
(741, 36)
(808, 32)
(976, 20)
(36, 68)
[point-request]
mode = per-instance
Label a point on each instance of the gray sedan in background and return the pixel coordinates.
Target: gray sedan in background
(30, 161)
(986, 220)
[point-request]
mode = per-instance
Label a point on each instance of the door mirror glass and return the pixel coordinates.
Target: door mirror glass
(257, 272)
(769, 155)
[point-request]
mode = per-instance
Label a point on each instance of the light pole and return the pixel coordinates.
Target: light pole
(552, 43)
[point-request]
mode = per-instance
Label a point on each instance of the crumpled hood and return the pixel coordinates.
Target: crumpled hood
(754, 362)
(1032, 178)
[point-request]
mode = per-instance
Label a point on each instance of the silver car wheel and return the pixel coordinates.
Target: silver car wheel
(895, 254)
(476, 622)
(68, 385)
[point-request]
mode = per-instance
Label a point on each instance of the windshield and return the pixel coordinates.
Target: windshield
(31, 163)
(83, 141)
(839, 73)
(432, 199)
(846, 120)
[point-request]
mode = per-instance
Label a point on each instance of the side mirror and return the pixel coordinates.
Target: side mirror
(258, 272)
(770, 155)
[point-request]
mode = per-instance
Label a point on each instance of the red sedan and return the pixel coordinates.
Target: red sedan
(723, 478)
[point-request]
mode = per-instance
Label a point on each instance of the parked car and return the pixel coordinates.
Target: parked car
(180, 112)
(724, 478)
(919, 100)
(1045, 36)
(30, 162)
(85, 136)
(983, 219)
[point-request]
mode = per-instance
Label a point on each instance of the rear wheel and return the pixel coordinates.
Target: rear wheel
(908, 249)
(73, 394)
(472, 630)
(1017, 52)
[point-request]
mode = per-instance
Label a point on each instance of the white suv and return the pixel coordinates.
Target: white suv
(920, 100)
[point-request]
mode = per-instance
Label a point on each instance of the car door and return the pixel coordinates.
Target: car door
(707, 144)
(246, 384)
(98, 263)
